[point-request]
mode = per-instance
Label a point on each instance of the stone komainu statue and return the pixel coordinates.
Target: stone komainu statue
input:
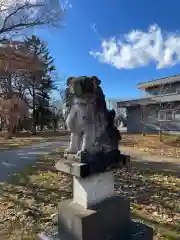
(87, 118)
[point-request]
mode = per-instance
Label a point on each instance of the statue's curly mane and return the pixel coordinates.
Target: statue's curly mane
(87, 117)
(82, 87)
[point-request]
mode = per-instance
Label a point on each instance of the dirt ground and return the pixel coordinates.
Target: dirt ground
(28, 201)
(169, 146)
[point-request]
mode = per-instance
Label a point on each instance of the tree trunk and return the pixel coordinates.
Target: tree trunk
(41, 125)
(65, 127)
(41, 122)
(54, 126)
(9, 95)
(142, 120)
(1, 126)
(160, 132)
(34, 107)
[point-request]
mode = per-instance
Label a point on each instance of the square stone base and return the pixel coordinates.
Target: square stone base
(108, 220)
(97, 164)
(94, 189)
(105, 220)
(137, 231)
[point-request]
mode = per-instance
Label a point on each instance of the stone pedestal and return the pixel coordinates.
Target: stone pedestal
(107, 220)
(92, 190)
(94, 213)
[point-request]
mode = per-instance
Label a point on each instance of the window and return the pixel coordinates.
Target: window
(178, 90)
(169, 115)
(166, 115)
(161, 115)
(177, 115)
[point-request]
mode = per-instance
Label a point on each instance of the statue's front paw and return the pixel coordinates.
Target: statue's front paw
(79, 153)
(69, 151)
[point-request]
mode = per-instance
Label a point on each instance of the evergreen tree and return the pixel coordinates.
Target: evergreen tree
(40, 82)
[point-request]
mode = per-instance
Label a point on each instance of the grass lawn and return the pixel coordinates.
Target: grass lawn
(170, 146)
(26, 139)
(28, 201)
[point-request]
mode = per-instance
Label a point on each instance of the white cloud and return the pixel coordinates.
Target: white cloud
(138, 49)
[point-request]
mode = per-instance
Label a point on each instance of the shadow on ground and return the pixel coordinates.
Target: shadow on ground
(28, 201)
(153, 188)
(164, 168)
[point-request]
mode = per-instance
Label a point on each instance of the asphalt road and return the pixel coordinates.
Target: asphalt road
(14, 161)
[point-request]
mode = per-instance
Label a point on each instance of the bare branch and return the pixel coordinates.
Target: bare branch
(16, 16)
(15, 56)
(13, 110)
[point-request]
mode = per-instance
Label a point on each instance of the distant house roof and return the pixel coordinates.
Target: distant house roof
(149, 100)
(157, 82)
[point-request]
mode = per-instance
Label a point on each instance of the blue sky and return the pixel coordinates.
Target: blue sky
(152, 27)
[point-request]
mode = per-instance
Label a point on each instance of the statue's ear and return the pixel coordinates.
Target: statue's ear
(97, 80)
(69, 80)
(113, 113)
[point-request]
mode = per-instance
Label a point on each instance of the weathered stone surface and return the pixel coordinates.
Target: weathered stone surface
(140, 231)
(51, 235)
(94, 213)
(87, 117)
(94, 189)
(73, 168)
(135, 231)
(105, 220)
(77, 168)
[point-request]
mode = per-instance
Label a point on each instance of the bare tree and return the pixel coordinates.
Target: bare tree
(143, 106)
(13, 111)
(165, 111)
(161, 93)
(58, 105)
(121, 114)
(146, 113)
(17, 16)
(60, 111)
(15, 62)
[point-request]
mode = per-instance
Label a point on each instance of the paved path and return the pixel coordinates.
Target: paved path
(156, 163)
(140, 156)
(13, 161)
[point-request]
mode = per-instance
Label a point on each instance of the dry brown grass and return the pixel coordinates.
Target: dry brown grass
(26, 139)
(170, 146)
(28, 201)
